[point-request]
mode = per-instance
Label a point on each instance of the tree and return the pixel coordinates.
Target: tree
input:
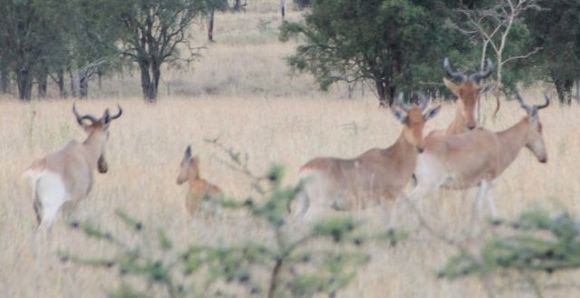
(152, 32)
(557, 31)
(499, 27)
(393, 44)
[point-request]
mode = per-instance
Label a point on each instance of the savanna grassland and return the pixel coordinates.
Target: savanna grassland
(241, 91)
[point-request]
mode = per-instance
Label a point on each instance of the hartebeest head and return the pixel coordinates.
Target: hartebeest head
(98, 133)
(534, 138)
(468, 90)
(414, 118)
(189, 167)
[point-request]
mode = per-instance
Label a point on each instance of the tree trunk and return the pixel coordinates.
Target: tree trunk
(237, 5)
(564, 89)
(73, 89)
(60, 83)
(150, 76)
(83, 86)
(210, 25)
(4, 80)
(42, 84)
(283, 8)
(384, 101)
(24, 81)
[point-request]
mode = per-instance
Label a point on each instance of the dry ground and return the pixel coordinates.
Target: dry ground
(240, 91)
(146, 146)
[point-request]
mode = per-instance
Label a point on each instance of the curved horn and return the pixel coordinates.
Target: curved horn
(81, 118)
(423, 101)
(484, 73)
(113, 117)
(521, 101)
(454, 74)
(539, 107)
(402, 103)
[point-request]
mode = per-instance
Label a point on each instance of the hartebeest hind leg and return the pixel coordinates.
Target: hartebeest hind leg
(484, 193)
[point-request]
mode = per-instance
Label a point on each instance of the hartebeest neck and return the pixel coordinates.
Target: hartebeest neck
(459, 124)
(94, 146)
(511, 141)
(403, 150)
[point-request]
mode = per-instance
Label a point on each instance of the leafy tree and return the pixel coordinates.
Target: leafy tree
(534, 243)
(556, 30)
(152, 33)
(30, 41)
(394, 44)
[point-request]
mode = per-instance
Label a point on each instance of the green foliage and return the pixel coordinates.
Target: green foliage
(321, 259)
(398, 45)
(535, 242)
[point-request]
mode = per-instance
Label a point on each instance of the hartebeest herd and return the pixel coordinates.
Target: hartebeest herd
(461, 156)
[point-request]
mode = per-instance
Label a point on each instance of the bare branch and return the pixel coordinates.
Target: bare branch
(536, 50)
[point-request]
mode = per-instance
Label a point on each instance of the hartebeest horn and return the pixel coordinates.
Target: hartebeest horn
(454, 74)
(107, 117)
(476, 77)
(188, 152)
(545, 104)
(522, 102)
(423, 101)
(80, 118)
(402, 103)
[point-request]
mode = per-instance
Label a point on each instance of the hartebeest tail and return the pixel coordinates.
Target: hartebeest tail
(371, 178)
(198, 187)
(477, 157)
(67, 175)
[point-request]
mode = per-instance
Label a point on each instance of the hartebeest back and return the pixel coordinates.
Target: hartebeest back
(477, 157)
(198, 187)
(372, 177)
(67, 175)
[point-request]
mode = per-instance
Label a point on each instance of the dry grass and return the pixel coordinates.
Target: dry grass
(146, 146)
(241, 92)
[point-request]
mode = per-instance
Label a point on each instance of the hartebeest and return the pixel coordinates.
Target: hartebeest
(371, 178)
(198, 187)
(477, 157)
(67, 175)
(468, 92)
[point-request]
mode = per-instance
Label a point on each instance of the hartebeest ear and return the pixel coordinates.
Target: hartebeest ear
(454, 88)
(431, 113)
(399, 115)
(188, 152)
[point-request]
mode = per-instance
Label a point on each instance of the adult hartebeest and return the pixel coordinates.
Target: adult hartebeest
(198, 187)
(67, 175)
(371, 178)
(477, 157)
(468, 92)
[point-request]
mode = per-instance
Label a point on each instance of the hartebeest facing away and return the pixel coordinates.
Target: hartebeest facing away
(371, 178)
(479, 156)
(468, 92)
(67, 175)
(198, 187)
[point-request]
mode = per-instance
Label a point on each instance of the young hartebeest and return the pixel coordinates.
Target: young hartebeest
(477, 157)
(67, 175)
(198, 187)
(371, 178)
(468, 92)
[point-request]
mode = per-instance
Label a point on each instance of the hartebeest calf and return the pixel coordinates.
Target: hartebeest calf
(199, 188)
(468, 92)
(371, 178)
(67, 175)
(479, 156)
